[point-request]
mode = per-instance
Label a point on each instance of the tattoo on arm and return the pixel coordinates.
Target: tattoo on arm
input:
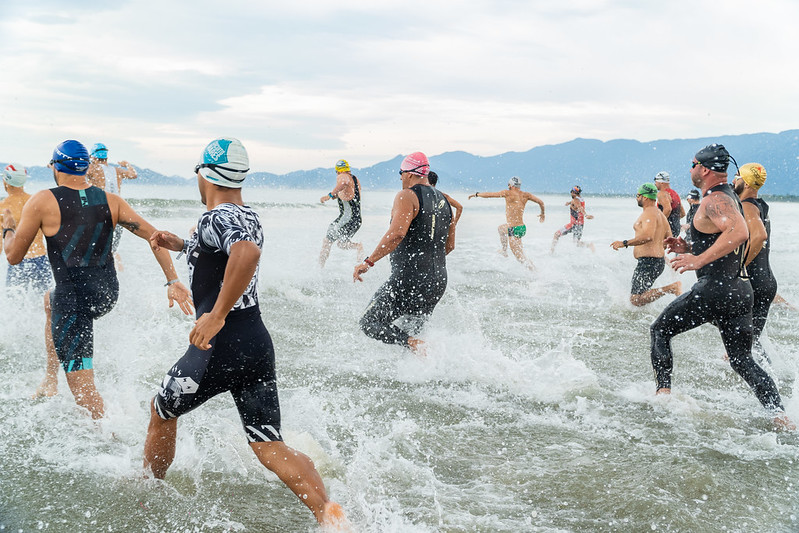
(133, 227)
(721, 207)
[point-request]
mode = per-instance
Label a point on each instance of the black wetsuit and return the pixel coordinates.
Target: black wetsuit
(241, 358)
(722, 297)
(418, 272)
(689, 219)
(349, 217)
(764, 285)
(85, 276)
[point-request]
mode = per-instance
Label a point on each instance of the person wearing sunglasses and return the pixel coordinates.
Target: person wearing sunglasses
(78, 222)
(721, 295)
(419, 237)
(651, 229)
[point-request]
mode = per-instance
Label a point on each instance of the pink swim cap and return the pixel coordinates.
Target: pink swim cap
(416, 163)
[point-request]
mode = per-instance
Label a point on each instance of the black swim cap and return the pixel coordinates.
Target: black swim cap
(432, 177)
(714, 157)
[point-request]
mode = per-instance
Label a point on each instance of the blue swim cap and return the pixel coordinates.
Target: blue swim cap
(100, 151)
(71, 157)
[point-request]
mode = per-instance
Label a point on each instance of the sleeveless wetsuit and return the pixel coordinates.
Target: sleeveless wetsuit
(689, 219)
(85, 276)
(418, 272)
(349, 217)
(764, 285)
(241, 358)
(722, 297)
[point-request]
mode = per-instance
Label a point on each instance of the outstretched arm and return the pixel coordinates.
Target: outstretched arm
(498, 194)
(133, 222)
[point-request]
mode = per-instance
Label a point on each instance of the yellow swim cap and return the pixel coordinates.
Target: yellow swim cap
(753, 175)
(342, 166)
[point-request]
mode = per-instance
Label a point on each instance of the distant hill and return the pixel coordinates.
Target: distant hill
(612, 167)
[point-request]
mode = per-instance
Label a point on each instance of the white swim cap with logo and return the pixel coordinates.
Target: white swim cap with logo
(515, 181)
(15, 175)
(224, 162)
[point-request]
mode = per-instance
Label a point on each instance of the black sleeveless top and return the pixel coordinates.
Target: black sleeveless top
(84, 237)
(730, 265)
(355, 203)
(422, 253)
(760, 268)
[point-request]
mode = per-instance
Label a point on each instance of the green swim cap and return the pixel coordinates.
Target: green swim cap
(648, 190)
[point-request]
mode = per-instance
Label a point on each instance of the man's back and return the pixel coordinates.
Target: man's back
(515, 202)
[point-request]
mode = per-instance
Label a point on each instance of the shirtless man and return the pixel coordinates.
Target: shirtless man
(513, 231)
(348, 194)
(651, 230)
(109, 178)
(669, 202)
(577, 218)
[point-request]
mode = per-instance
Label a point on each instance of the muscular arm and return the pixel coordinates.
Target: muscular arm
(241, 265)
(126, 171)
(664, 200)
(757, 231)
(403, 212)
(722, 212)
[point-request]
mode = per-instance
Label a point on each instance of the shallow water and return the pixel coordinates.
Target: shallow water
(534, 410)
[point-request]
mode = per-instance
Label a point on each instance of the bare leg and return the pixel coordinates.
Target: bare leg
(297, 471)
(49, 385)
(118, 262)
(349, 245)
(555, 241)
(653, 294)
(326, 245)
(417, 346)
(81, 383)
(503, 239)
(518, 251)
(159, 446)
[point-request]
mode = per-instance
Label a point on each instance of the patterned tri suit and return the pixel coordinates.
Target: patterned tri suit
(418, 272)
(723, 297)
(241, 358)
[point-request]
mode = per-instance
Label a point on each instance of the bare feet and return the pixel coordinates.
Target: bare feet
(47, 388)
(503, 253)
(334, 518)
(417, 346)
(783, 423)
(662, 390)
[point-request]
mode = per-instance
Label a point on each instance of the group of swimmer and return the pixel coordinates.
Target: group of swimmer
(230, 348)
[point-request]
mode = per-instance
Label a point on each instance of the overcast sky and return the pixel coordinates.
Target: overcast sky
(303, 84)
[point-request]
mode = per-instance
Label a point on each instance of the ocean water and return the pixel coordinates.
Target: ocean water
(533, 411)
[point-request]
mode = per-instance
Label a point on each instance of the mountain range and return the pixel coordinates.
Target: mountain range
(599, 167)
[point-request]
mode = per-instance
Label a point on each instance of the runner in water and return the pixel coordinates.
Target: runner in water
(78, 220)
(512, 232)
(693, 198)
(720, 296)
(34, 270)
(347, 193)
(230, 349)
(747, 184)
(577, 216)
(669, 202)
(456, 206)
(651, 229)
(419, 237)
(109, 178)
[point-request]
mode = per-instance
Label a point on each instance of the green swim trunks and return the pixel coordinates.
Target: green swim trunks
(517, 231)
